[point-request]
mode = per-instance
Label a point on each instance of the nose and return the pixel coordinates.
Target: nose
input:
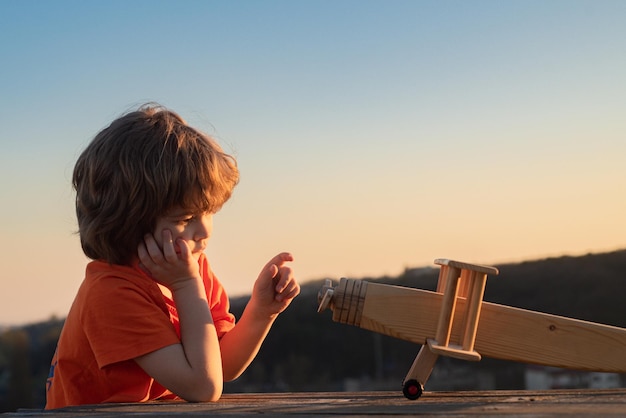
(205, 226)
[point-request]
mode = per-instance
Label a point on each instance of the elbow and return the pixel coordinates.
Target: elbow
(204, 392)
(204, 397)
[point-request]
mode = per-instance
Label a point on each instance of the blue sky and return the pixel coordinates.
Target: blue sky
(371, 135)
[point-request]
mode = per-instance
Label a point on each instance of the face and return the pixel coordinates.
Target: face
(194, 228)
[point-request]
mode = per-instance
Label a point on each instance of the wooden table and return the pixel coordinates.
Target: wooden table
(580, 403)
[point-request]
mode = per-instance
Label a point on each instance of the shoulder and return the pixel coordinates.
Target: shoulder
(102, 274)
(111, 285)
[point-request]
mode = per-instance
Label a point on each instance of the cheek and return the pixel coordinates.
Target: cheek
(185, 234)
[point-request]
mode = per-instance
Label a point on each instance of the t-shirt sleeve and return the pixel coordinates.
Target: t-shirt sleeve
(123, 321)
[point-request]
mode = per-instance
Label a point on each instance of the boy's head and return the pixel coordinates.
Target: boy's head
(136, 170)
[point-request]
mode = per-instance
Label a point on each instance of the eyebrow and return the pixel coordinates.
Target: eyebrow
(179, 214)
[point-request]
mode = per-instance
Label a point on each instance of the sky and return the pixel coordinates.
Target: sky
(371, 136)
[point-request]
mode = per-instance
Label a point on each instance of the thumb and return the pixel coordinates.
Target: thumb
(273, 271)
(268, 273)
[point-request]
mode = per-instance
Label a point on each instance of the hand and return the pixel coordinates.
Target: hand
(167, 266)
(275, 287)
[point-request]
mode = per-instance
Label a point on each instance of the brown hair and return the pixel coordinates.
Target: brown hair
(137, 169)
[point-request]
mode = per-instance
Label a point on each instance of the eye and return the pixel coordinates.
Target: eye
(186, 220)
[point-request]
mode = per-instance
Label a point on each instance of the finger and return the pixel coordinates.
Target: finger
(289, 293)
(268, 272)
(269, 277)
(280, 259)
(142, 253)
(145, 262)
(288, 286)
(271, 269)
(154, 252)
(283, 277)
(274, 272)
(169, 252)
(183, 248)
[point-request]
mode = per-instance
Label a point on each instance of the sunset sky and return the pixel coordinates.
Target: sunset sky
(371, 136)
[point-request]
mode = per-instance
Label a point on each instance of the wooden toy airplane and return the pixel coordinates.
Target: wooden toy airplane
(454, 321)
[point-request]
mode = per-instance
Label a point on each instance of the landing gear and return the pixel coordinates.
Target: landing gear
(412, 389)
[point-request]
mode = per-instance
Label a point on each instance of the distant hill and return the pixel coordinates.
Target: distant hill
(306, 351)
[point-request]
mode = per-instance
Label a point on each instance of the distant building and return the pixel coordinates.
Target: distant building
(543, 378)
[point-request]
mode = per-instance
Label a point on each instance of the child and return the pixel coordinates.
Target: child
(150, 320)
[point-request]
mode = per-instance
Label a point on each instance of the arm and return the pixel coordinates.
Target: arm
(193, 368)
(273, 291)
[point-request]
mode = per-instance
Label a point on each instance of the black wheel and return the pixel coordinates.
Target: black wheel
(412, 389)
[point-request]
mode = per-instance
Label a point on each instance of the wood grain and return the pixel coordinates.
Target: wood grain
(504, 332)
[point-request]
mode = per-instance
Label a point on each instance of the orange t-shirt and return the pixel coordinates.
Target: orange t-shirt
(119, 314)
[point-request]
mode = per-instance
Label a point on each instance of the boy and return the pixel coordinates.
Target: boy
(150, 320)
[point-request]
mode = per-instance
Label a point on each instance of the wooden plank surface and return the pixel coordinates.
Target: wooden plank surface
(581, 403)
(504, 332)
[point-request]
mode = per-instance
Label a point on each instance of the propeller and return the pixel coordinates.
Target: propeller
(325, 295)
